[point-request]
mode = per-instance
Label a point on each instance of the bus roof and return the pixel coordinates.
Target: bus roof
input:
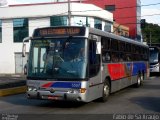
(156, 47)
(114, 36)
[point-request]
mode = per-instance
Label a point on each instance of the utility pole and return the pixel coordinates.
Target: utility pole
(69, 13)
(150, 38)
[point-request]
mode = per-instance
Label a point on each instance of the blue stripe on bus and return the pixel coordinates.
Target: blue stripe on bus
(139, 67)
(76, 85)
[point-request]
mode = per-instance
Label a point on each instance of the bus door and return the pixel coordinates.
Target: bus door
(95, 74)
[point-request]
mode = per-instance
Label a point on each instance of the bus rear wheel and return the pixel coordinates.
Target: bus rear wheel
(106, 91)
(142, 78)
(139, 81)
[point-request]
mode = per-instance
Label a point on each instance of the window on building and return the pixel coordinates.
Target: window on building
(0, 31)
(97, 23)
(20, 29)
(80, 21)
(107, 27)
(110, 8)
(58, 20)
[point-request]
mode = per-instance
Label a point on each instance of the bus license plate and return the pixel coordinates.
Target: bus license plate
(53, 98)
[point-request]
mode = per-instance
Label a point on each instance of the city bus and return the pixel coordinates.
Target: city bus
(154, 59)
(82, 64)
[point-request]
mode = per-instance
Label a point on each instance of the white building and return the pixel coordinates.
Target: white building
(19, 21)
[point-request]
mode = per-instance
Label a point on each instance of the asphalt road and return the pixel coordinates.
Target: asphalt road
(143, 100)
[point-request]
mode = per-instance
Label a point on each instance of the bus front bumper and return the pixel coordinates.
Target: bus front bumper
(56, 95)
(154, 68)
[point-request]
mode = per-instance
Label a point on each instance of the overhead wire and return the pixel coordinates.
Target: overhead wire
(116, 8)
(145, 5)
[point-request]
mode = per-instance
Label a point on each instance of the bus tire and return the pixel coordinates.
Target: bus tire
(138, 84)
(142, 78)
(106, 91)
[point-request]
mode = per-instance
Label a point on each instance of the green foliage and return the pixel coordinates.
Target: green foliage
(151, 31)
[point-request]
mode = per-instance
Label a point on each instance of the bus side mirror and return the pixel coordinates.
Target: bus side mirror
(24, 50)
(24, 46)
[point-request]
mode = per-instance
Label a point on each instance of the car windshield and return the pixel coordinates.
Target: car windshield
(58, 58)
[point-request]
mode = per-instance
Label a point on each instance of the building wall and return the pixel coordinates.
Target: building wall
(121, 30)
(6, 47)
(37, 23)
(9, 49)
(125, 14)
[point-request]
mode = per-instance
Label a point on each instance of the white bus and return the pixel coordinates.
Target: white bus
(154, 59)
(82, 64)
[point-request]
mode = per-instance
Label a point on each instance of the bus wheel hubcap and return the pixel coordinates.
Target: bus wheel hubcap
(139, 80)
(106, 90)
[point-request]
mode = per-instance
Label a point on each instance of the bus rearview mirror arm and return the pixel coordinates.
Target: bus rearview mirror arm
(26, 39)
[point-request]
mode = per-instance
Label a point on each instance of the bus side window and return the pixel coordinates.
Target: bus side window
(122, 57)
(128, 57)
(94, 59)
(106, 57)
(115, 57)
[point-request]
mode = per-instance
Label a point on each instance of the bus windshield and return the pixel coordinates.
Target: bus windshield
(153, 56)
(58, 58)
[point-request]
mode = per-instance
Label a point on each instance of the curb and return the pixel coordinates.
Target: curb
(12, 84)
(13, 91)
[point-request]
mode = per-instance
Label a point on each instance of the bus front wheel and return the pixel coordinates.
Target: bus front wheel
(106, 91)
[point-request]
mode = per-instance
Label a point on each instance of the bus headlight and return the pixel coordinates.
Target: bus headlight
(73, 91)
(82, 90)
(157, 65)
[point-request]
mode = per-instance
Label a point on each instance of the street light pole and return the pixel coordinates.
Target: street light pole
(69, 13)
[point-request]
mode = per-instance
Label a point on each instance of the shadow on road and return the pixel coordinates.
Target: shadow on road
(62, 104)
(22, 100)
(150, 103)
(154, 74)
(152, 87)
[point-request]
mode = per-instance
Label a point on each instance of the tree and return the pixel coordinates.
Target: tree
(151, 31)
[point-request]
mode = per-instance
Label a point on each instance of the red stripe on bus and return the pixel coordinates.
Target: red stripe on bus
(47, 85)
(116, 71)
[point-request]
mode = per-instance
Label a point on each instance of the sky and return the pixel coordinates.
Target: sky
(151, 13)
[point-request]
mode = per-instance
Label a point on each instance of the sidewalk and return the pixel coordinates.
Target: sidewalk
(12, 84)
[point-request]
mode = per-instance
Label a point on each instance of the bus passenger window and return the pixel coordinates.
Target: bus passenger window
(121, 57)
(115, 57)
(106, 57)
(128, 57)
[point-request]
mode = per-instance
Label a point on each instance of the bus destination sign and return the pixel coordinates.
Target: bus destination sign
(59, 31)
